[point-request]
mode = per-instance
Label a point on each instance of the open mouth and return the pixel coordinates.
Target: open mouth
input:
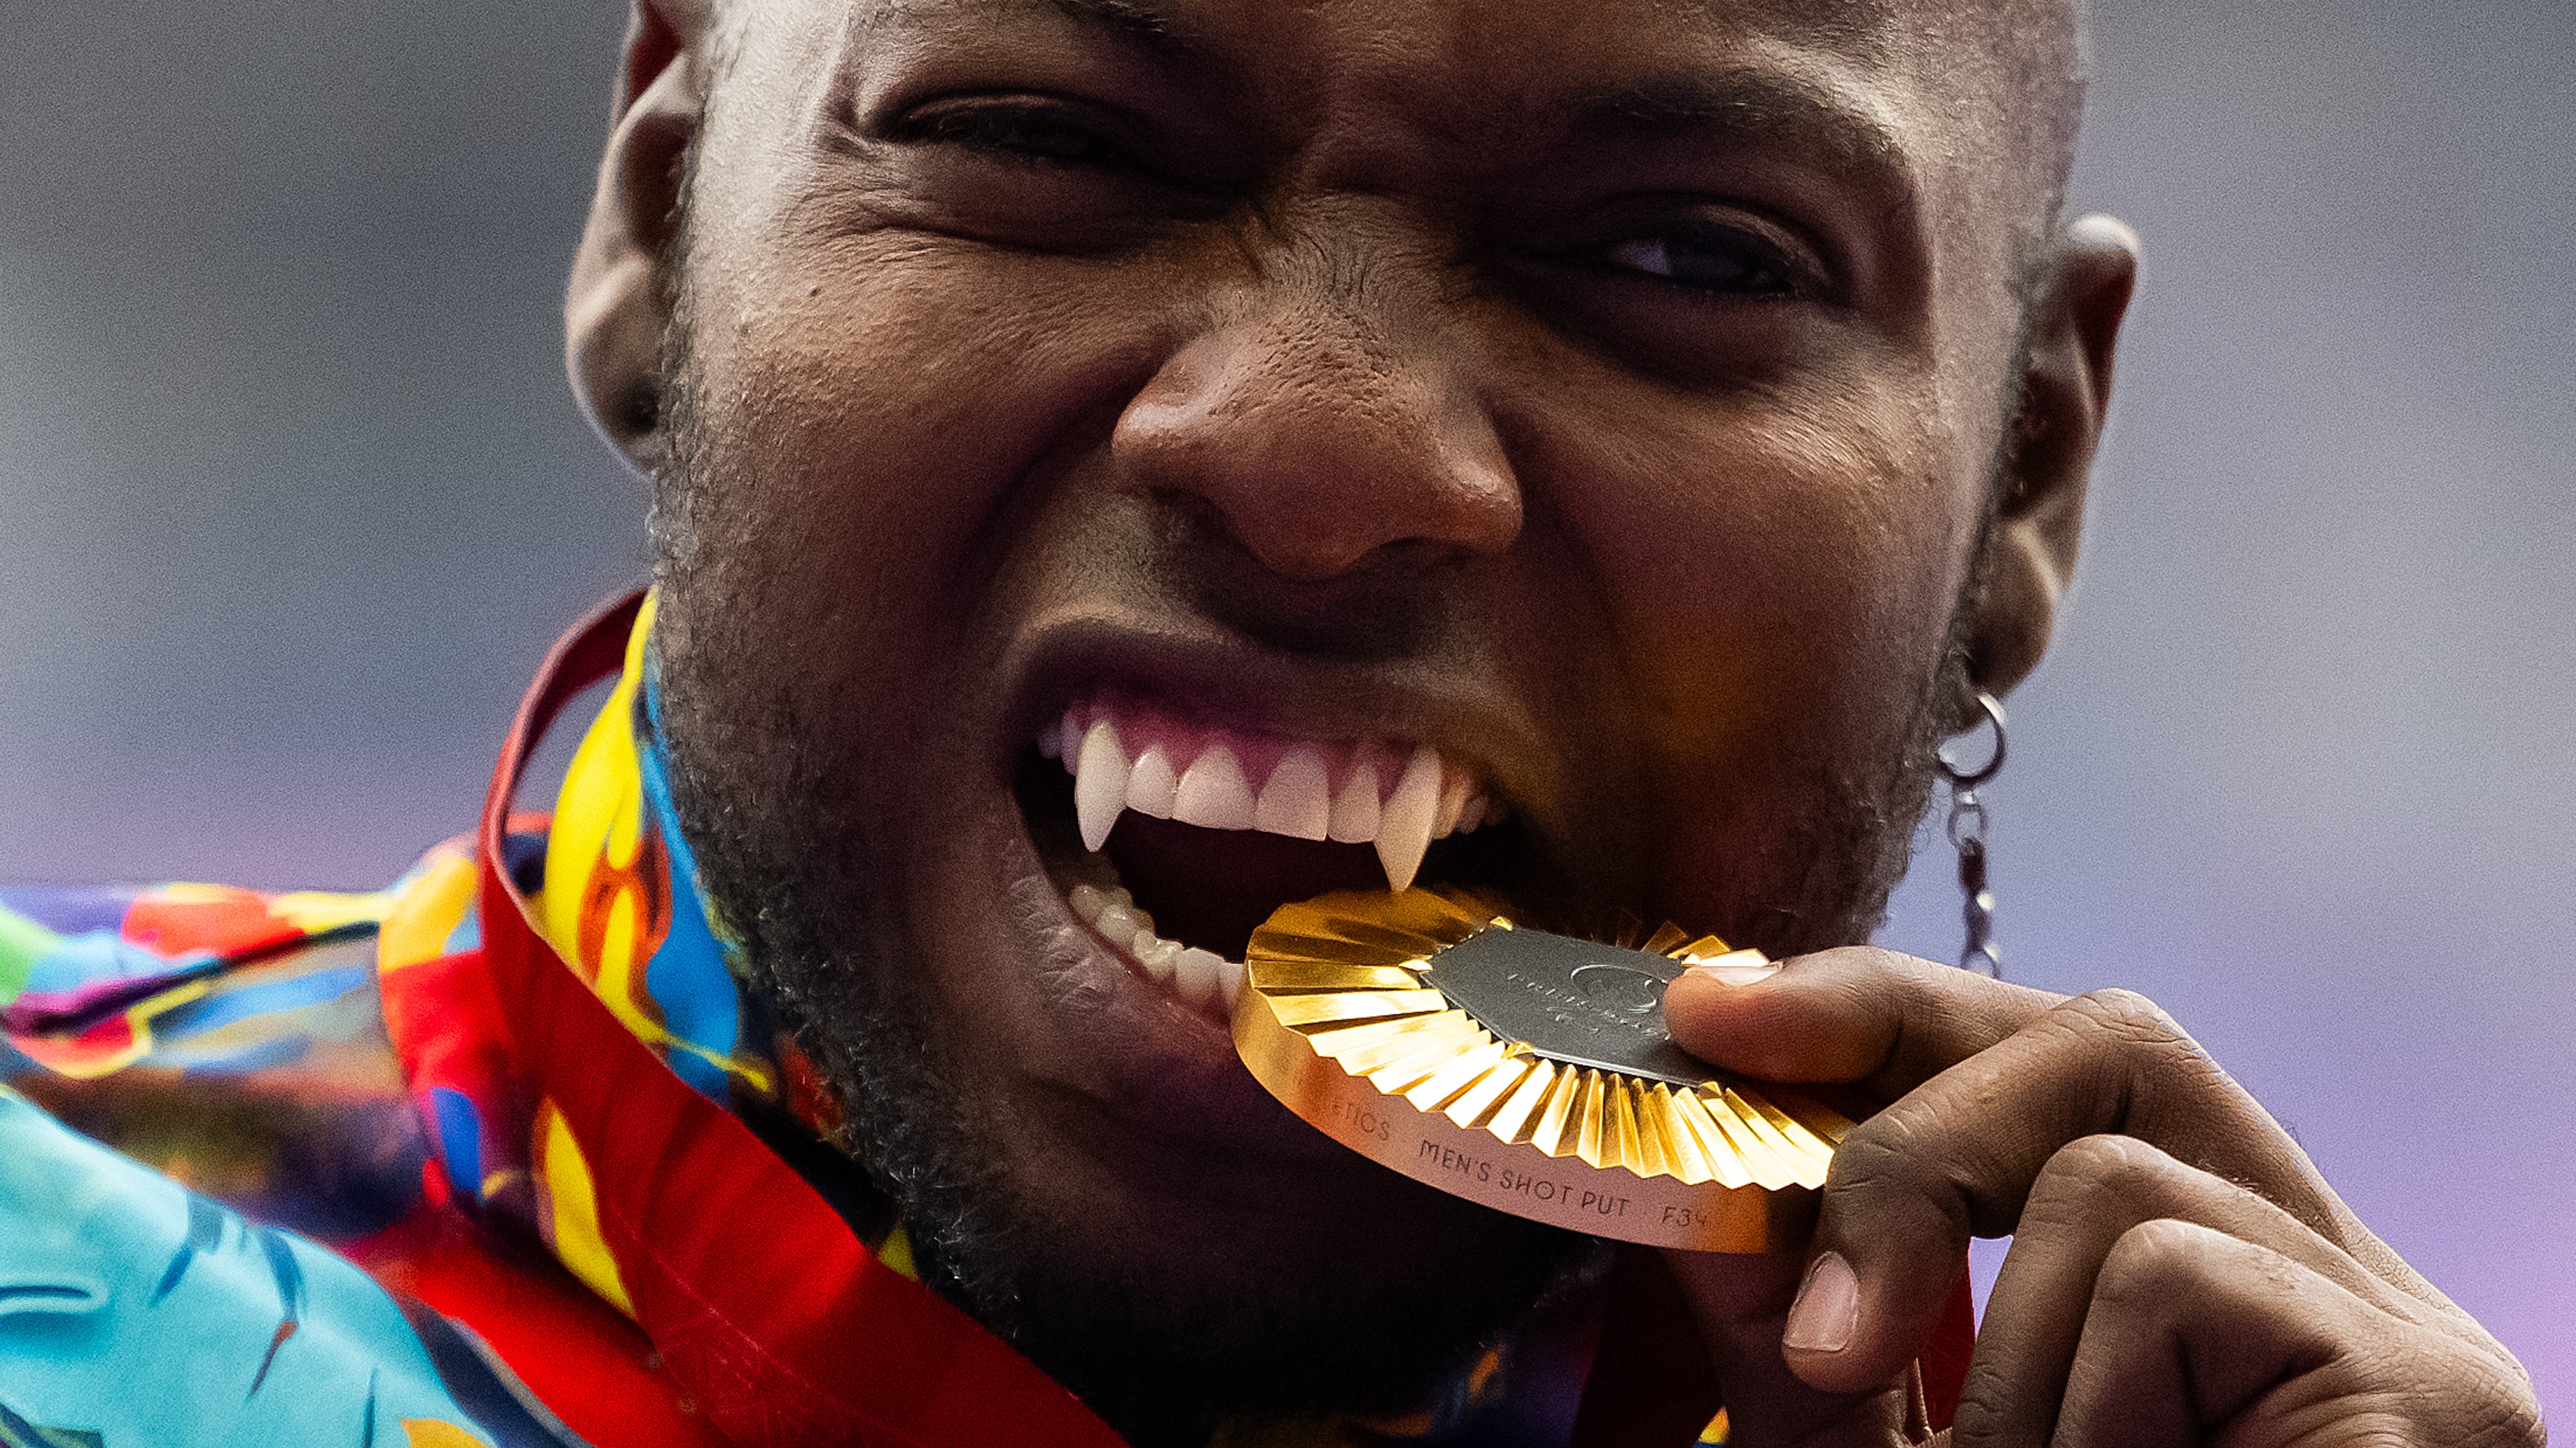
(1173, 838)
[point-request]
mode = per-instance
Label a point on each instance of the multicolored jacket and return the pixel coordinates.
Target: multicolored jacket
(500, 1155)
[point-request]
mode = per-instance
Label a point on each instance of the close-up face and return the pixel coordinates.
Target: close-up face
(1547, 448)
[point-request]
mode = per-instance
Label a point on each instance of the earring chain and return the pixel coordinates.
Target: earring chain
(1967, 831)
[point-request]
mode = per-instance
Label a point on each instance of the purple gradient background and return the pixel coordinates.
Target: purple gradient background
(291, 497)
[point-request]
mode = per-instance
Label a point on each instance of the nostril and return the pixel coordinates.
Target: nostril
(1315, 450)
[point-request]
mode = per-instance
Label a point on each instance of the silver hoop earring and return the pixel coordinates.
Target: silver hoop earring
(1968, 836)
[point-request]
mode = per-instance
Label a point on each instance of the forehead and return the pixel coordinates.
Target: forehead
(1486, 65)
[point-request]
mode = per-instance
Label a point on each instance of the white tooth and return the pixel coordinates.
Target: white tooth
(1199, 975)
(1229, 982)
(1051, 743)
(1099, 784)
(1086, 901)
(1472, 816)
(1117, 895)
(1157, 955)
(1404, 825)
(1117, 922)
(1213, 793)
(1150, 788)
(1453, 803)
(1354, 820)
(1068, 742)
(1298, 800)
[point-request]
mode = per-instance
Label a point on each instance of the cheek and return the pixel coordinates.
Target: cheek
(874, 422)
(1780, 575)
(881, 418)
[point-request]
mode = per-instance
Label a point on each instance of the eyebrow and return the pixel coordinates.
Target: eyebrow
(1124, 15)
(1131, 20)
(1737, 104)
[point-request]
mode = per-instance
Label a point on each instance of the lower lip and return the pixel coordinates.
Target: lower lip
(1145, 1064)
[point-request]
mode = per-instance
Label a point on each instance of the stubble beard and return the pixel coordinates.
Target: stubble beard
(1162, 1359)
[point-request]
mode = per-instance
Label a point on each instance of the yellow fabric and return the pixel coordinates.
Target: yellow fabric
(416, 930)
(570, 1209)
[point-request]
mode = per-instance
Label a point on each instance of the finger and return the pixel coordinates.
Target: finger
(2087, 1199)
(1873, 1018)
(2196, 1336)
(1958, 1155)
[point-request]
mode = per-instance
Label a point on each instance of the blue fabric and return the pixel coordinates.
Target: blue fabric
(136, 1314)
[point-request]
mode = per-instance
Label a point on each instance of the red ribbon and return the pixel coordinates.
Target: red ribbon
(765, 1307)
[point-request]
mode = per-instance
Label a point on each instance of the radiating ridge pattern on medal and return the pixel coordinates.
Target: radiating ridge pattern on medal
(1538, 1041)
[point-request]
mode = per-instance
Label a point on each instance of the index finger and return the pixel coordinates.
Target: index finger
(1859, 1016)
(1989, 1083)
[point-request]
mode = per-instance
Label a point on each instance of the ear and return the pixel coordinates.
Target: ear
(618, 301)
(2066, 394)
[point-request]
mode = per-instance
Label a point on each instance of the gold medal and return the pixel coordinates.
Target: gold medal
(1524, 1071)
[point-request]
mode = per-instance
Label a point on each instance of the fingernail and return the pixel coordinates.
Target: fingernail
(1744, 967)
(1827, 1311)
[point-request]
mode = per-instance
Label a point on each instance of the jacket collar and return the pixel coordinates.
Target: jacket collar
(763, 1304)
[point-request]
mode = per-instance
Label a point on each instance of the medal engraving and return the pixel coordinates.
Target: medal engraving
(1570, 1000)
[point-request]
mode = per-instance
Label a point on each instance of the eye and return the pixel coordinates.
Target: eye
(1716, 260)
(1034, 133)
(1704, 290)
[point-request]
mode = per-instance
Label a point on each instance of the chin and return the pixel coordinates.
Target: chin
(1031, 1046)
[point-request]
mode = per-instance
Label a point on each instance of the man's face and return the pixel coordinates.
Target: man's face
(1601, 394)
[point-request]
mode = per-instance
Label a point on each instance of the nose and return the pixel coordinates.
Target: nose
(1330, 431)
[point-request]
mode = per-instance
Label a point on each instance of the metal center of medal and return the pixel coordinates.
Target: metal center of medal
(1572, 1001)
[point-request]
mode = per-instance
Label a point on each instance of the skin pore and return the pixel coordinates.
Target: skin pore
(1667, 411)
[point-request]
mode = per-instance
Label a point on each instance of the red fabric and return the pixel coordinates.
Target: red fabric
(589, 1366)
(232, 923)
(1945, 1359)
(763, 1305)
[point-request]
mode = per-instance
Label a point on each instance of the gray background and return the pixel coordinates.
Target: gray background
(291, 498)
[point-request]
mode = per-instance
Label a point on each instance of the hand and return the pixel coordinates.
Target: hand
(2179, 1271)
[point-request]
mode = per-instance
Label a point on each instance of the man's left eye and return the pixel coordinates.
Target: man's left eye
(1729, 264)
(1023, 135)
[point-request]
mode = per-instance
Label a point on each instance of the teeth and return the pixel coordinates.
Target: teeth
(1354, 817)
(1151, 788)
(1298, 799)
(1158, 956)
(1197, 976)
(1429, 800)
(1124, 922)
(1099, 784)
(1200, 975)
(1404, 824)
(1453, 805)
(1213, 793)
